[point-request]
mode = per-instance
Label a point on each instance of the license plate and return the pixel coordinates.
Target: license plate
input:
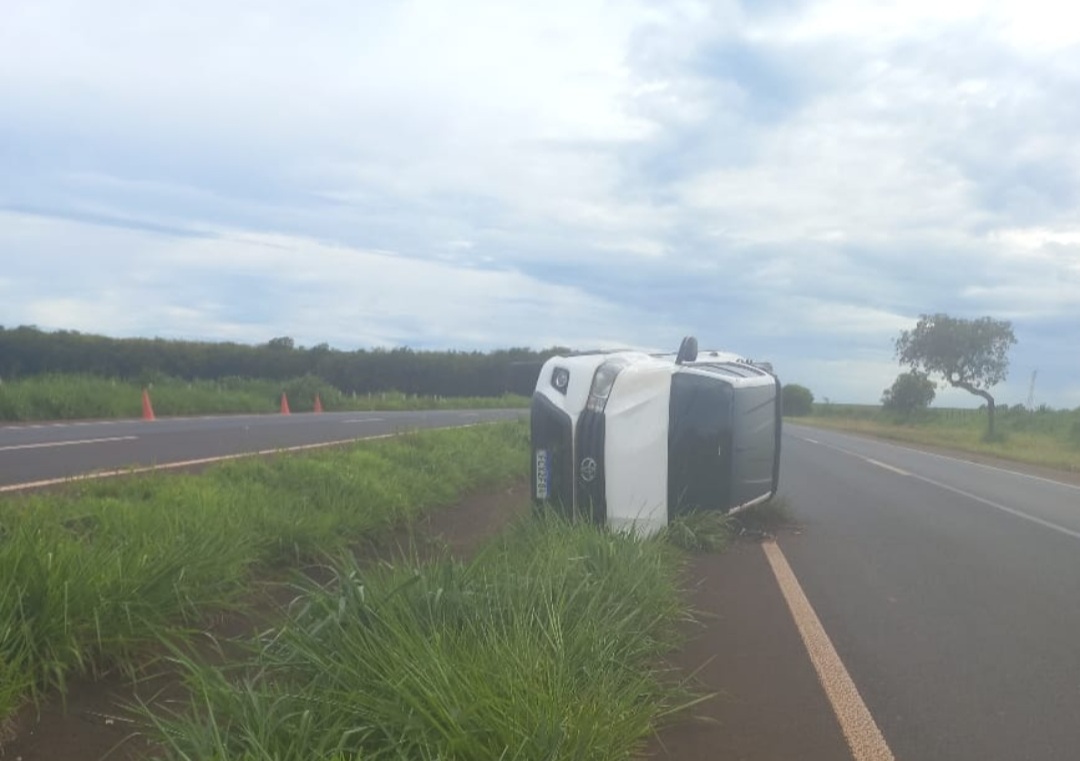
(543, 474)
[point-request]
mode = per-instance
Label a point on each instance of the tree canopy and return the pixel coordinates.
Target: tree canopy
(968, 354)
(27, 351)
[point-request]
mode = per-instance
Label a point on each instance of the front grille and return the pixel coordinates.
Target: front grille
(591, 490)
(551, 432)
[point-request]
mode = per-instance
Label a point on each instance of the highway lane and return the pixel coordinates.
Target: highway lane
(57, 450)
(950, 590)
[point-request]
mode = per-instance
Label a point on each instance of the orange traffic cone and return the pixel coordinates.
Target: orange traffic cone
(318, 403)
(285, 405)
(147, 408)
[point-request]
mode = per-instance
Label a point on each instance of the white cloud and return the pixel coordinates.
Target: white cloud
(846, 319)
(1036, 26)
(247, 286)
(1025, 239)
(842, 380)
(483, 173)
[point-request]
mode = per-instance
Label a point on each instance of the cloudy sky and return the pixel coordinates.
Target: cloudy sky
(792, 181)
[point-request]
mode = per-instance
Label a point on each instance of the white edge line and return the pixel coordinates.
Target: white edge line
(1003, 508)
(223, 458)
(901, 447)
(996, 505)
(1043, 479)
(862, 733)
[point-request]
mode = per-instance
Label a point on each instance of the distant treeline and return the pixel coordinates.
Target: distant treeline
(27, 351)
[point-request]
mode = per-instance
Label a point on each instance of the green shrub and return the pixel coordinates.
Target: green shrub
(797, 400)
(910, 394)
(1074, 433)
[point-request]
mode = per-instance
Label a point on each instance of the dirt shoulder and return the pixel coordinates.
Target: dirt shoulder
(769, 705)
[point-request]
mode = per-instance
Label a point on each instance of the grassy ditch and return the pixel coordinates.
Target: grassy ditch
(710, 531)
(545, 646)
(72, 397)
(1050, 438)
(90, 575)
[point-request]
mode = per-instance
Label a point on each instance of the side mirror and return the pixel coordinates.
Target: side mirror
(687, 351)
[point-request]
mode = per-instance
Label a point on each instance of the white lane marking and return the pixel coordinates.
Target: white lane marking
(47, 444)
(861, 731)
(210, 460)
(990, 503)
(1029, 476)
(812, 441)
(1003, 508)
(887, 467)
(364, 420)
(827, 445)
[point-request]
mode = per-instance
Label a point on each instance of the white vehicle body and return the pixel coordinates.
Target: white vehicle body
(632, 438)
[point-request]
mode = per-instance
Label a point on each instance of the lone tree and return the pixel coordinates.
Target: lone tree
(911, 392)
(968, 354)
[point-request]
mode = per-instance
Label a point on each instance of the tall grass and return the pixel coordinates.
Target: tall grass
(89, 576)
(1041, 437)
(700, 530)
(712, 531)
(69, 397)
(546, 646)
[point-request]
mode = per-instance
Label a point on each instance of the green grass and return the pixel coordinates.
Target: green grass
(91, 575)
(545, 646)
(700, 530)
(1050, 438)
(711, 531)
(70, 397)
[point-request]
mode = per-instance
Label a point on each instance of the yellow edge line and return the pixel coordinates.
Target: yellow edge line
(858, 725)
(209, 460)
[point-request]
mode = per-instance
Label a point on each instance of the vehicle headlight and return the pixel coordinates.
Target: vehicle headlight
(603, 380)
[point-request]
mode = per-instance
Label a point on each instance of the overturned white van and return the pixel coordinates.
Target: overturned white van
(632, 438)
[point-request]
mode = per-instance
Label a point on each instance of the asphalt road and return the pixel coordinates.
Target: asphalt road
(57, 450)
(950, 590)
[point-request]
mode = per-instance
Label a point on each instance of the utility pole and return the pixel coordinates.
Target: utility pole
(1031, 390)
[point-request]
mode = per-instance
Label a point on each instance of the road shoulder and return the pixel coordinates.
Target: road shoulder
(769, 704)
